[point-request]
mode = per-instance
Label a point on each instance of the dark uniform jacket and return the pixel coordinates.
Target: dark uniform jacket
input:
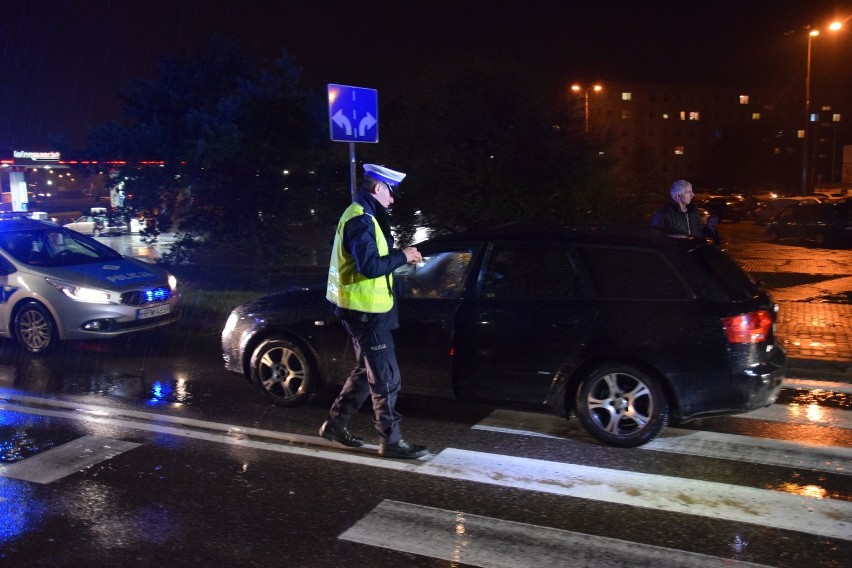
(669, 219)
(359, 240)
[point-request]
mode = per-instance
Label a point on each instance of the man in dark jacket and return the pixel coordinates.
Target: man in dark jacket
(679, 216)
(360, 285)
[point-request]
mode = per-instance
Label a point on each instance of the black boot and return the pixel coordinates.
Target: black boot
(402, 449)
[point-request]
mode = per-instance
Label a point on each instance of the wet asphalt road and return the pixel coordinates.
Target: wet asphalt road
(165, 459)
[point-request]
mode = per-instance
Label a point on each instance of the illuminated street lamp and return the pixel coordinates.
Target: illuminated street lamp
(577, 88)
(834, 26)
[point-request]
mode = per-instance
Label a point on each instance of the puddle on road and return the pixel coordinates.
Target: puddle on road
(843, 298)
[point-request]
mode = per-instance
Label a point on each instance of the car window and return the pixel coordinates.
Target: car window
(529, 271)
(621, 273)
(439, 275)
(52, 247)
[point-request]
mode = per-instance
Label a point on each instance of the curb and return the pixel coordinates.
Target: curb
(820, 369)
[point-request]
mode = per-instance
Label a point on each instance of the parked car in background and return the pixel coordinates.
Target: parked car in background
(832, 192)
(769, 209)
(59, 285)
(725, 207)
(96, 225)
(625, 330)
(827, 224)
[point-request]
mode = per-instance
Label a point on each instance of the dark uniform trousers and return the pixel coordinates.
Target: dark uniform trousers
(376, 374)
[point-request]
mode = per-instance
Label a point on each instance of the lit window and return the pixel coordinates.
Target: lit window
(665, 116)
(835, 117)
(682, 115)
(678, 150)
(743, 99)
(814, 117)
(626, 96)
(800, 134)
(755, 116)
(625, 113)
(693, 115)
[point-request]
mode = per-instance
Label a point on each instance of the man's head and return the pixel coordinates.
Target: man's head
(382, 183)
(681, 192)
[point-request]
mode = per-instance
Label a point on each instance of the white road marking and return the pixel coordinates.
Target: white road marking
(474, 540)
(826, 517)
(833, 459)
(61, 461)
(803, 414)
(817, 457)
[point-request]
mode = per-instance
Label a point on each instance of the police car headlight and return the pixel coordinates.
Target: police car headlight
(172, 282)
(80, 293)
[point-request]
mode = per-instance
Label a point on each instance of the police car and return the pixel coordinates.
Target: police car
(57, 284)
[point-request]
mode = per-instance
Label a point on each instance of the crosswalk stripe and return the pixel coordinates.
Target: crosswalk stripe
(832, 459)
(826, 517)
(814, 456)
(476, 540)
(808, 414)
(54, 464)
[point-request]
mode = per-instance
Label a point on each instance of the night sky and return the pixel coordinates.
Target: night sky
(62, 61)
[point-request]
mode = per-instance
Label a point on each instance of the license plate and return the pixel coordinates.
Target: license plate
(144, 313)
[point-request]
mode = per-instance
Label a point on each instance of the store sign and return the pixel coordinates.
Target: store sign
(38, 156)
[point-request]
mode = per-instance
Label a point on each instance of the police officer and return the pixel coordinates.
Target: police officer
(360, 285)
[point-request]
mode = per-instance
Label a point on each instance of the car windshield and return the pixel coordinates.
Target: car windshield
(55, 246)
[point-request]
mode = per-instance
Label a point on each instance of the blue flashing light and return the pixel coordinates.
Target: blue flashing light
(157, 295)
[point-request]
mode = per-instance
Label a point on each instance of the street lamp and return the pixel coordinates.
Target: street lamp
(834, 26)
(577, 88)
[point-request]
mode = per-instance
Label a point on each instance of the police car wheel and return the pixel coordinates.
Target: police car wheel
(34, 328)
(283, 373)
(622, 406)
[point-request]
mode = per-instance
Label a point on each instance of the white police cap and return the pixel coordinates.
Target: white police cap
(380, 173)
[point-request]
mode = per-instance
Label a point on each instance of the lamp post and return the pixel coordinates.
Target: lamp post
(577, 88)
(834, 26)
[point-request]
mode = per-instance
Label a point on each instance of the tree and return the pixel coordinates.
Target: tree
(233, 144)
(486, 148)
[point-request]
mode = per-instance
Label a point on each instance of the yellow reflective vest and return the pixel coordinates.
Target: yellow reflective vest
(347, 287)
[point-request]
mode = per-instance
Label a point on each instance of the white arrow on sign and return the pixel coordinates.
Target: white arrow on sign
(343, 122)
(366, 123)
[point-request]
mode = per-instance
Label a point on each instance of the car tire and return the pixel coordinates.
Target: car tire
(283, 373)
(622, 406)
(35, 329)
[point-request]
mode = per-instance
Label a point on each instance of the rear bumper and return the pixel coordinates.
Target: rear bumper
(761, 384)
(747, 388)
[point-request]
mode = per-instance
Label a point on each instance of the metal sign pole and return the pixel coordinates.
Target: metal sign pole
(352, 169)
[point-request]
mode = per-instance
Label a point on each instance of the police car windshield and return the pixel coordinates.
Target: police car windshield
(53, 247)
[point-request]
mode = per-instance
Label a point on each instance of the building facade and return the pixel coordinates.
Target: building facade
(722, 137)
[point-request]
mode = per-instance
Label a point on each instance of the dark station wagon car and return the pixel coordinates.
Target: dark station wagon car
(624, 330)
(825, 224)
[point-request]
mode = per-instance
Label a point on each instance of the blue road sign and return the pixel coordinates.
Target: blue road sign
(353, 114)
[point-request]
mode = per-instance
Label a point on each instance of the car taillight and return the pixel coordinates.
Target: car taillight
(752, 327)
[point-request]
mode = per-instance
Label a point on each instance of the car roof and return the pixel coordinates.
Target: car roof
(21, 223)
(600, 235)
